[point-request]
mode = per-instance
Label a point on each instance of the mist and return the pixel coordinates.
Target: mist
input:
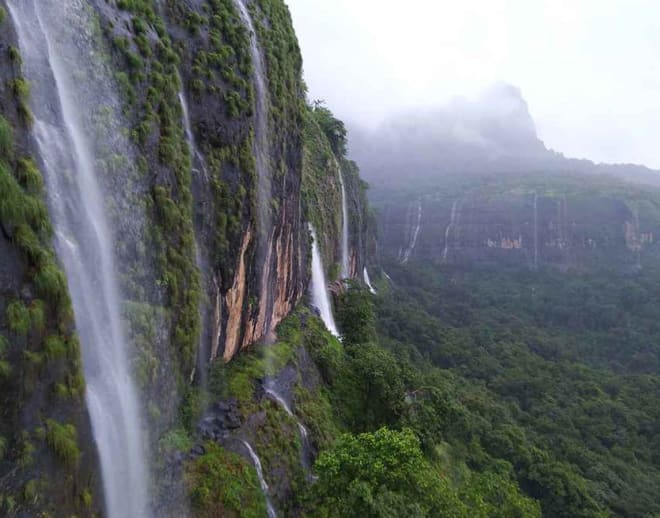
(588, 71)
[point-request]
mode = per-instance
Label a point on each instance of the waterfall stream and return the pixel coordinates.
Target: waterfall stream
(345, 266)
(56, 40)
(367, 281)
(262, 481)
(306, 454)
(198, 164)
(318, 287)
(413, 235)
(449, 229)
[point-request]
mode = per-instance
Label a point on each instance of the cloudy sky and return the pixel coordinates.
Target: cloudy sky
(589, 69)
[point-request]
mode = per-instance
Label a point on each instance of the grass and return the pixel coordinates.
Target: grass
(222, 483)
(63, 441)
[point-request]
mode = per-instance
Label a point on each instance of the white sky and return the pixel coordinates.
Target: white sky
(589, 69)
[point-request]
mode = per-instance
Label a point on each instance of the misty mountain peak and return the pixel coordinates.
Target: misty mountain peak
(502, 115)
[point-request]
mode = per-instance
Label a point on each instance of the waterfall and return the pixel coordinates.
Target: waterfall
(69, 83)
(195, 155)
(367, 281)
(306, 454)
(201, 260)
(262, 481)
(261, 147)
(345, 267)
(448, 230)
(320, 297)
(413, 235)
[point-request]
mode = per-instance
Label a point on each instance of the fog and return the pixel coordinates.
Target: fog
(589, 70)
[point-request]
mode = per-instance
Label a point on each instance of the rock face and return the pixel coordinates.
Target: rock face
(200, 280)
(586, 230)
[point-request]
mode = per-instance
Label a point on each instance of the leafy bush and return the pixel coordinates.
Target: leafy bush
(63, 440)
(18, 318)
(381, 474)
(6, 138)
(224, 484)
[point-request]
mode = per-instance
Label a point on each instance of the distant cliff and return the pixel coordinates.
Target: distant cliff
(572, 222)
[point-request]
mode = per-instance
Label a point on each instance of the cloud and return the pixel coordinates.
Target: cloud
(584, 66)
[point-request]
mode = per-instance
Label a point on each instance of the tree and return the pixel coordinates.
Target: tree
(381, 474)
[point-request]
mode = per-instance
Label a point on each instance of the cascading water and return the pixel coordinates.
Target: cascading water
(198, 164)
(448, 230)
(306, 456)
(55, 40)
(196, 157)
(345, 268)
(320, 297)
(261, 154)
(413, 235)
(367, 281)
(262, 481)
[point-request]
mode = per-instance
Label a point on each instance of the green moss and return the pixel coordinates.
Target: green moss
(63, 441)
(18, 318)
(151, 92)
(30, 492)
(3, 447)
(14, 55)
(224, 484)
(3, 15)
(6, 138)
(51, 283)
(29, 176)
(26, 451)
(55, 348)
(176, 440)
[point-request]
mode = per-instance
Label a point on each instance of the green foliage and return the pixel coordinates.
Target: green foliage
(6, 138)
(333, 128)
(55, 348)
(150, 85)
(356, 316)
(63, 441)
(5, 367)
(51, 283)
(176, 440)
(535, 377)
(224, 484)
(14, 55)
(18, 318)
(3, 15)
(380, 474)
(3, 447)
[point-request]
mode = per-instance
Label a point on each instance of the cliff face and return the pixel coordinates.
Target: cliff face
(202, 277)
(597, 228)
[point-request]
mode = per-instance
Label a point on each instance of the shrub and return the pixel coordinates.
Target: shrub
(6, 138)
(55, 348)
(30, 176)
(15, 55)
(18, 318)
(50, 283)
(63, 440)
